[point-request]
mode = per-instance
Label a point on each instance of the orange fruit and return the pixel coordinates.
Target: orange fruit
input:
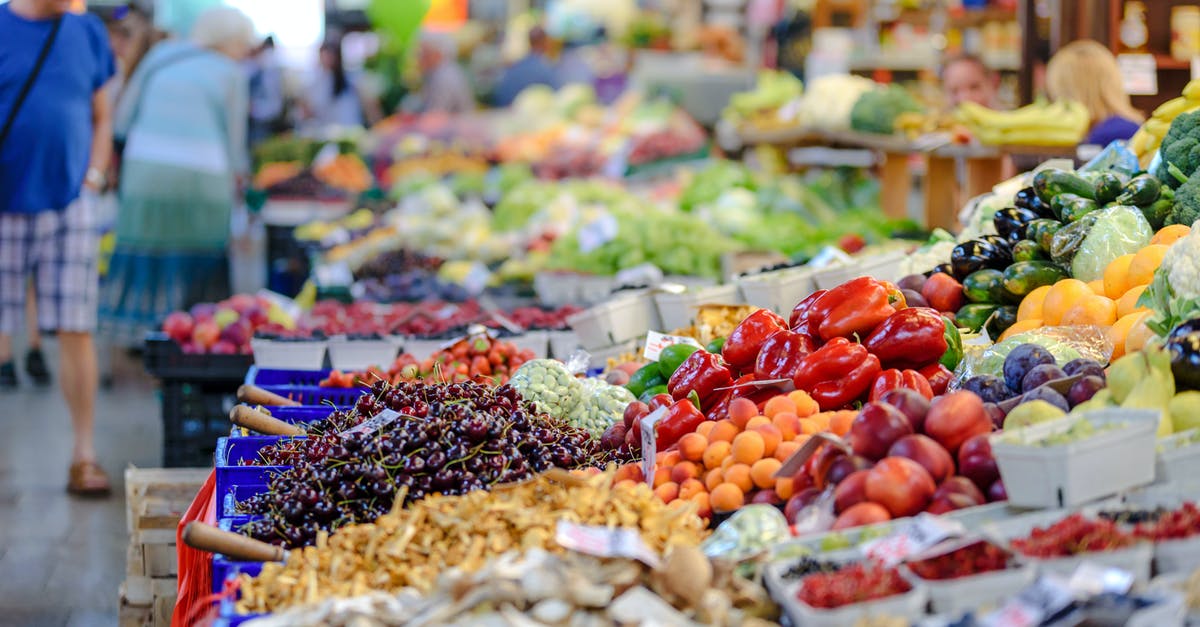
(763, 472)
(714, 478)
(1031, 305)
(683, 471)
(1094, 309)
(1145, 262)
(779, 404)
(632, 472)
(726, 498)
(771, 436)
(1139, 333)
(1170, 234)
(839, 421)
(757, 421)
(1097, 287)
(703, 508)
(741, 410)
(705, 428)
(727, 462)
(691, 488)
(1020, 326)
(724, 431)
(788, 424)
(668, 491)
(669, 458)
(739, 475)
(786, 449)
(748, 447)
(1116, 276)
(662, 475)
(785, 488)
(808, 426)
(716, 452)
(1061, 297)
(692, 446)
(1119, 331)
(805, 405)
(1127, 304)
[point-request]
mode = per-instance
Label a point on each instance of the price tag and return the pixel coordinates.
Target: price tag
(598, 232)
(374, 423)
(917, 535)
(1091, 579)
(650, 442)
(1037, 602)
(656, 342)
(330, 274)
(605, 542)
(1139, 73)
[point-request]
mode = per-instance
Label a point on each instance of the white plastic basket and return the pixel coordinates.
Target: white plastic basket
(679, 310)
(423, 347)
(303, 355)
(346, 354)
(884, 266)
(593, 289)
(624, 318)
(1077, 472)
(556, 289)
(600, 356)
(1134, 559)
(536, 341)
(953, 597)
(779, 290)
(563, 343)
(1177, 462)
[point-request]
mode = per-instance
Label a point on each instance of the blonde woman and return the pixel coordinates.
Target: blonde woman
(1086, 72)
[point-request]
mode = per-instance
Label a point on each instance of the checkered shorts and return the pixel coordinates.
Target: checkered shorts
(59, 251)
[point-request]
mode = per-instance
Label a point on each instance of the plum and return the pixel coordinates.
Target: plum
(996, 413)
(912, 282)
(1040, 374)
(914, 298)
(1084, 389)
(987, 387)
(1085, 367)
(1048, 395)
(1021, 360)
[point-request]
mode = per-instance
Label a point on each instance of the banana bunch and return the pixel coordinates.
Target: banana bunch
(1147, 138)
(1143, 380)
(1038, 124)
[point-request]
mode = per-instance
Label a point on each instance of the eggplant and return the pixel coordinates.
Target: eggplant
(1184, 345)
(1012, 220)
(977, 254)
(943, 268)
(1024, 198)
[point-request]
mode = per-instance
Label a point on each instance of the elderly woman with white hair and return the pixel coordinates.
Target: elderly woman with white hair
(183, 119)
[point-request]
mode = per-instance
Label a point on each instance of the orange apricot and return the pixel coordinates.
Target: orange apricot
(748, 447)
(724, 431)
(714, 478)
(692, 446)
(690, 488)
(739, 475)
(805, 405)
(716, 453)
(788, 424)
(772, 436)
(756, 422)
(668, 491)
(779, 404)
(786, 449)
(742, 410)
(726, 498)
(662, 475)
(763, 472)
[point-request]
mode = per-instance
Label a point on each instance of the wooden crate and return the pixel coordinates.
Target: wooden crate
(155, 498)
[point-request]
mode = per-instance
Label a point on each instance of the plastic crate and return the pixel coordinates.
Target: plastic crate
(1135, 559)
(222, 567)
(1177, 460)
(234, 494)
(165, 360)
(562, 344)
(778, 291)
(276, 376)
(307, 355)
(194, 415)
(292, 414)
(621, 319)
(232, 451)
(679, 310)
(953, 597)
(885, 267)
(313, 395)
(909, 605)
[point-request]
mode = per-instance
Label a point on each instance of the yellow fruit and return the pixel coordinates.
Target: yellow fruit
(1145, 262)
(1170, 234)
(1139, 334)
(1062, 296)
(1118, 332)
(1097, 287)
(1116, 276)
(1094, 309)
(1127, 303)
(1020, 326)
(1031, 305)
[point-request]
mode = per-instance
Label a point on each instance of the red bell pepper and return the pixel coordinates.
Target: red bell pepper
(855, 307)
(837, 374)
(702, 372)
(805, 315)
(780, 355)
(910, 338)
(747, 338)
(892, 379)
(939, 377)
(681, 419)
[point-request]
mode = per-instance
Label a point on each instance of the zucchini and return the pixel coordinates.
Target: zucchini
(1027, 250)
(1156, 212)
(1067, 240)
(1042, 231)
(1141, 190)
(1108, 187)
(974, 315)
(1051, 182)
(1000, 320)
(1077, 207)
(984, 286)
(1023, 277)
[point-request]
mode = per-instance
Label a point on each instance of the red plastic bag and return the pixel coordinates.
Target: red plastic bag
(195, 567)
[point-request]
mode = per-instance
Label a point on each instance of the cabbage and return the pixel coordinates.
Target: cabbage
(1118, 230)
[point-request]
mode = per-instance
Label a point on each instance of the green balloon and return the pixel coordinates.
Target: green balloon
(399, 18)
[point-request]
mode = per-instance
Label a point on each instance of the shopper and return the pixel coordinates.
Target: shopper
(445, 85)
(574, 65)
(1086, 72)
(183, 117)
(965, 78)
(335, 97)
(534, 69)
(55, 141)
(268, 115)
(35, 360)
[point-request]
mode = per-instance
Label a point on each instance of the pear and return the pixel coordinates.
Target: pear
(1031, 413)
(1185, 410)
(1125, 373)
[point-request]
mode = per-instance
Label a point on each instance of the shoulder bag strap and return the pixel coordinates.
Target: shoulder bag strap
(28, 86)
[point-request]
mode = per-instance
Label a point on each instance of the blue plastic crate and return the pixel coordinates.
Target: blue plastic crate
(231, 451)
(270, 376)
(222, 567)
(235, 494)
(315, 395)
(292, 414)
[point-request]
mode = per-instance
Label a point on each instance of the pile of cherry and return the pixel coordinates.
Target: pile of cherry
(448, 439)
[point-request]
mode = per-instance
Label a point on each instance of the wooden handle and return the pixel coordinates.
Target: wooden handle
(254, 420)
(235, 546)
(255, 395)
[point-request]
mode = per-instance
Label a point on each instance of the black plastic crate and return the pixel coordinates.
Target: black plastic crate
(194, 416)
(164, 359)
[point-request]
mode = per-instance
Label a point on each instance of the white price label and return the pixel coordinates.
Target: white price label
(650, 442)
(374, 423)
(1034, 604)
(1091, 579)
(332, 274)
(917, 535)
(656, 342)
(605, 542)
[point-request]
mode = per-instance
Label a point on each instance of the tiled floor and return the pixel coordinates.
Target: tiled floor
(62, 558)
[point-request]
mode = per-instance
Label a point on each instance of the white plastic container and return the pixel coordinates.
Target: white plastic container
(910, 605)
(779, 290)
(679, 310)
(953, 597)
(626, 317)
(1177, 556)
(1177, 461)
(423, 347)
(884, 266)
(346, 354)
(536, 341)
(556, 289)
(302, 355)
(1071, 474)
(600, 356)
(593, 289)
(1134, 559)
(563, 343)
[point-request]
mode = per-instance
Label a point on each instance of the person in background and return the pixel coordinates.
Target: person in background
(55, 142)
(445, 86)
(574, 66)
(334, 97)
(965, 78)
(267, 115)
(1085, 71)
(534, 69)
(183, 117)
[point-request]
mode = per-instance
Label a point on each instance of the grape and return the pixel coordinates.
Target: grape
(1048, 395)
(1084, 389)
(1084, 367)
(988, 388)
(1021, 360)
(1039, 375)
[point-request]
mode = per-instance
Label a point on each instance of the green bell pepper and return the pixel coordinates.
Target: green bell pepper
(954, 346)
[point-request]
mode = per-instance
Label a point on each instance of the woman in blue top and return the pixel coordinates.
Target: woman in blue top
(183, 118)
(1086, 72)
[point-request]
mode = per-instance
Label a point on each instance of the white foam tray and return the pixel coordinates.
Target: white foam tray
(303, 355)
(346, 354)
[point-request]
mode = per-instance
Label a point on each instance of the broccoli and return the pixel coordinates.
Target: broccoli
(1187, 202)
(875, 111)
(1181, 149)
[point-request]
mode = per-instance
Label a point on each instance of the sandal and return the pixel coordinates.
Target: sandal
(88, 479)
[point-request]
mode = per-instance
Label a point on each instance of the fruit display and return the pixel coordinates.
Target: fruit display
(876, 111)
(759, 107)
(479, 358)
(441, 531)
(980, 557)
(1144, 380)
(1183, 522)
(588, 404)
(1027, 369)
(1061, 123)
(1150, 136)
(226, 327)
(855, 583)
(346, 172)
(1074, 535)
